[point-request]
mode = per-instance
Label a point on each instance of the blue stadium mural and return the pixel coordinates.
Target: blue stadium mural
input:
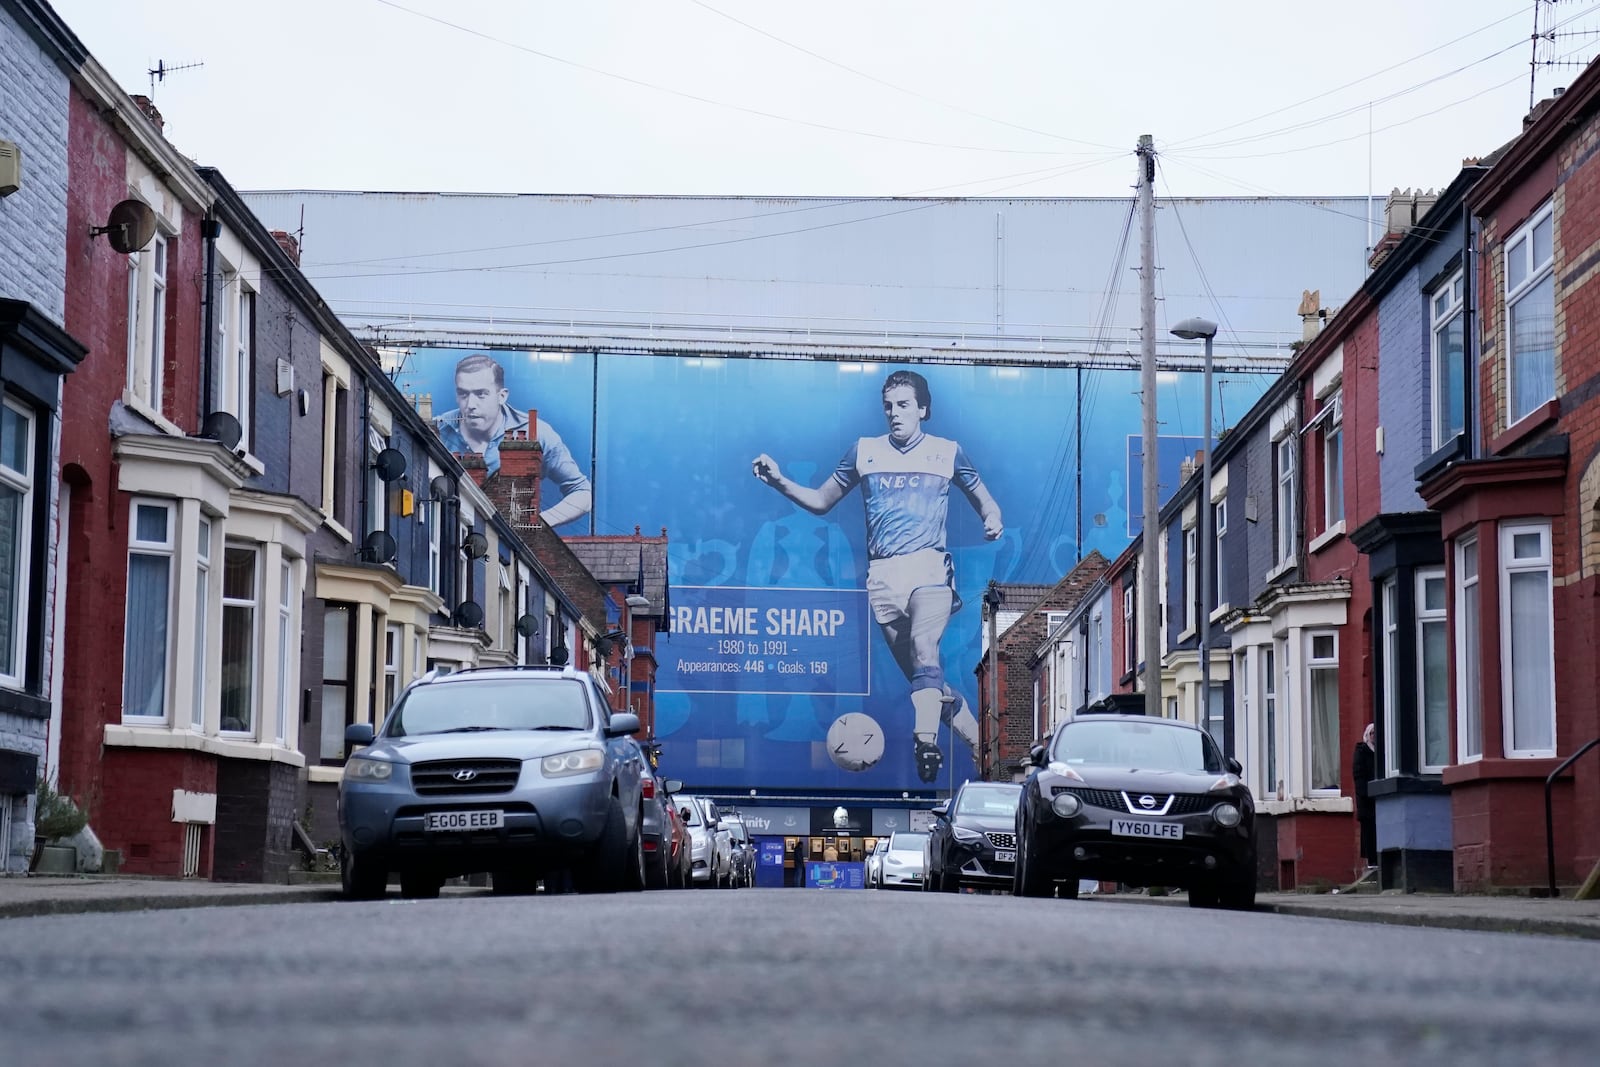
(832, 527)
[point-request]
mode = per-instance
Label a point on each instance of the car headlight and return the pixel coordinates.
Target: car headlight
(962, 834)
(567, 763)
(361, 769)
(1066, 805)
(1227, 781)
(1226, 815)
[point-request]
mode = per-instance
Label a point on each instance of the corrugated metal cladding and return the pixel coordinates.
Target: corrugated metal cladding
(770, 269)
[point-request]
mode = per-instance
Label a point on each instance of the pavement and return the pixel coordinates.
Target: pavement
(30, 895)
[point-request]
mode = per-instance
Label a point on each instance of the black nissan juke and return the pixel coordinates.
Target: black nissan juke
(1140, 801)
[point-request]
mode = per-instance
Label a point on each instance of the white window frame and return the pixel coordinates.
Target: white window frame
(253, 605)
(377, 489)
(242, 356)
(168, 549)
(1389, 601)
(1426, 617)
(1286, 534)
(288, 650)
(1510, 565)
(1468, 651)
(505, 601)
(1520, 252)
(1314, 665)
(1447, 306)
(1191, 592)
(147, 320)
(21, 483)
(394, 643)
(1053, 619)
(206, 536)
(463, 564)
(1271, 721)
(1219, 578)
(1329, 427)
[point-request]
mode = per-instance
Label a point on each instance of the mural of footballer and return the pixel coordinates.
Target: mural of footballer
(905, 478)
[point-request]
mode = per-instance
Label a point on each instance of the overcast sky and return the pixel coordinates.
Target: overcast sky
(836, 97)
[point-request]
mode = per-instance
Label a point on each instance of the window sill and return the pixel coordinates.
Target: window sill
(1327, 537)
(1220, 611)
(329, 775)
(1185, 635)
(1280, 570)
(118, 735)
(338, 528)
(142, 408)
(249, 459)
(1526, 427)
(1484, 769)
(1331, 804)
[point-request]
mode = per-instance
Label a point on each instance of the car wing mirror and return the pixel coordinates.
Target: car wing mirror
(1234, 766)
(942, 809)
(359, 734)
(673, 785)
(1036, 755)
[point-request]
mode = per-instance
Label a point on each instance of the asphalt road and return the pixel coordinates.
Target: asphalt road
(781, 976)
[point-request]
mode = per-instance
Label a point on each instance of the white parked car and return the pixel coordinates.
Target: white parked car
(874, 877)
(711, 844)
(905, 864)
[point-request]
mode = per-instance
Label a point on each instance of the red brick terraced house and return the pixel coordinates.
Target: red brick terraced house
(1520, 512)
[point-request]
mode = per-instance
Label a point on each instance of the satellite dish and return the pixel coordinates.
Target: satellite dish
(476, 546)
(469, 615)
(130, 227)
(222, 428)
(558, 656)
(379, 547)
(390, 464)
(527, 625)
(443, 487)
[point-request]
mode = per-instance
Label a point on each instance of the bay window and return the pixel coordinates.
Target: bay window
(338, 633)
(202, 595)
(1322, 671)
(1389, 604)
(1269, 716)
(287, 648)
(1531, 315)
(1433, 672)
(1469, 650)
(146, 647)
(1447, 308)
(16, 539)
(1527, 640)
(240, 593)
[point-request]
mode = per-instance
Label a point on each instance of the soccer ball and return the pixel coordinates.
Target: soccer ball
(855, 741)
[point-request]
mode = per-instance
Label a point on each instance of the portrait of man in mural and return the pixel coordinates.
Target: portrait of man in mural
(483, 416)
(905, 477)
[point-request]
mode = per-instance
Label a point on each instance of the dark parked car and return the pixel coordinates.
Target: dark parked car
(522, 772)
(1140, 801)
(743, 850)
(665, 837)
(973, 841)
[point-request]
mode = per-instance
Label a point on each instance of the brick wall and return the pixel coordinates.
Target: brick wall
(33, 220)
(256, 811)
(131, 807)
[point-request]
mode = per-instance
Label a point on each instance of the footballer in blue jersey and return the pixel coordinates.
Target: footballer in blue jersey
(905, 478)
(480, 421)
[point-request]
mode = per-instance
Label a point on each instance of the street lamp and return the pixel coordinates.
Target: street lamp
(1189, 330)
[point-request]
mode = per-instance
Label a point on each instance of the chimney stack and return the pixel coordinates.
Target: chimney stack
(146, 105)
(1312, 316)
(514, 488)
(287, 242)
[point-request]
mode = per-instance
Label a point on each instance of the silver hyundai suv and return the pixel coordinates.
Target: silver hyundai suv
(523, 772)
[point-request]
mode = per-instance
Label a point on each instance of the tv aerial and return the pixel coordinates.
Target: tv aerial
(159, 72)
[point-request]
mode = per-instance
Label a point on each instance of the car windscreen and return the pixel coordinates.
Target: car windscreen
(988, 800)
(553, 704)
(1148, 746)
(907, 842)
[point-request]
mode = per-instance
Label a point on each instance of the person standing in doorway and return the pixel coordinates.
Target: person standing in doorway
(905, 478)
(1364, 768)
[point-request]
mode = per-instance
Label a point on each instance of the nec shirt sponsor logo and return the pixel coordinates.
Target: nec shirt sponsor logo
(898, 481)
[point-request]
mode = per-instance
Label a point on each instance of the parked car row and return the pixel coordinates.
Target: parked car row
(722, 851)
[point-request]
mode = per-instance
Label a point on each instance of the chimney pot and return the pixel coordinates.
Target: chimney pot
(287, 242)
(146, 105)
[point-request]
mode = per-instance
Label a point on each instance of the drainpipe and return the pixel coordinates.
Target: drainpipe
(210, 230)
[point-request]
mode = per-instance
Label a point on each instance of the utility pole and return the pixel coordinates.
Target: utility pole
(1150, 527)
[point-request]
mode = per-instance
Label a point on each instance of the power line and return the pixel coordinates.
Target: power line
(640, 83)
(1351, 84)
(888, 84)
